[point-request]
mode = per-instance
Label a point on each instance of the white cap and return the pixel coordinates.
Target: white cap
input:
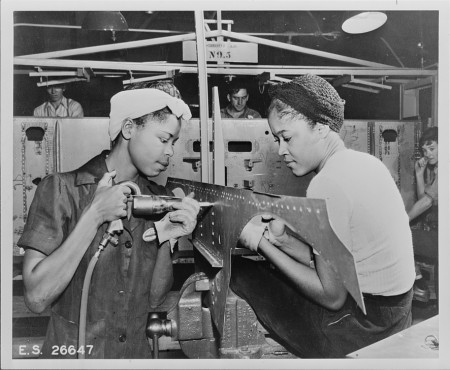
(137, 103)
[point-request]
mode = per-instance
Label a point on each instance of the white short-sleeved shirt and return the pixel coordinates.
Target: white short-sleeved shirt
(367, 213)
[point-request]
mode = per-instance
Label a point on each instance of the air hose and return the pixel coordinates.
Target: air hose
(83, 308)
(108, 237)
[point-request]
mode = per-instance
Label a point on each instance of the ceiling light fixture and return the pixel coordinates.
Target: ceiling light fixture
(364, 22)
(105, 21)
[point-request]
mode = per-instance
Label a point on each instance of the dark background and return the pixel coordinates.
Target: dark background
(411, 35)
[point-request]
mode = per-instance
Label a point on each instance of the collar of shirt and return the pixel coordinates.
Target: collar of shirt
(93, 171)
(242, 114)
(63, 105)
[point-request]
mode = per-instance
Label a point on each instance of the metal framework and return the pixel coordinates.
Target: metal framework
(363, 69)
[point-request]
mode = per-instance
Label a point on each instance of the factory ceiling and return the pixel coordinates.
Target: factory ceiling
(408, 39)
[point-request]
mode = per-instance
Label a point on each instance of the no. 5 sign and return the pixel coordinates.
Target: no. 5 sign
(227, 51)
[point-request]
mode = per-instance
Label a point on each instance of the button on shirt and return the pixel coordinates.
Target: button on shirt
(126, 283)
(67, 108)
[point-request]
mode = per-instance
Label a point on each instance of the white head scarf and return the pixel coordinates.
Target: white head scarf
(137, 103)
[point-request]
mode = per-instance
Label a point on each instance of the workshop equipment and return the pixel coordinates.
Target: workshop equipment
(208, 320)
(146, 205)
(142, 205)
(252, 163)
(156, 327)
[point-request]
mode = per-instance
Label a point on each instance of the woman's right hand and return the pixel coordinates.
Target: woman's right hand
(110, 202)
(277, 233)
(420, 166)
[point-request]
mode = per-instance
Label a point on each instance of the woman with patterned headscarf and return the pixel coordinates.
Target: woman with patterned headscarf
(299, 295)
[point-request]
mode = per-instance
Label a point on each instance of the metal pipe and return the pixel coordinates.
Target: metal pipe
(118, 46)
(219, 24)
(393, 52)
(79, 27)
(155, 346)
(210, 21)
(144, 79)
(282, 45)
(203, 92)
(292, 34)
(238, 69)
(92, 64)
(57, 82)
(219, 147)
(53, 73)
(366, 89)
(111, 47)
(370, 84)
(434, 103)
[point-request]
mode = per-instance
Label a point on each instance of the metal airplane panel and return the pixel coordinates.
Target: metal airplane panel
(394, 145)
(219, 228)
(185, 162)
(252, 160)
(81, 140)
(33, 159)
(355, 135)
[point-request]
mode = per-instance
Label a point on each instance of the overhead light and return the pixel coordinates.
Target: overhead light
(364, 22)
(105, 21)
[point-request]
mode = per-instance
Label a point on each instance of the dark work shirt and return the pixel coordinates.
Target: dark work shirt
(123, 287)
(247, 113)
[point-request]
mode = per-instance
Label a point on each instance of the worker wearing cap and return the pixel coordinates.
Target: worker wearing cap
(302, 301)
(58, 105)
(69, 215)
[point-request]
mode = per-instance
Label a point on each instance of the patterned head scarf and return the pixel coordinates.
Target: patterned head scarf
(313, 97)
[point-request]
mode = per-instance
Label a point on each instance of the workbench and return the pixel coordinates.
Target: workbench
(414, 342)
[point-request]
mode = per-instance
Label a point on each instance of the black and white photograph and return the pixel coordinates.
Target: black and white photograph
(213, 184)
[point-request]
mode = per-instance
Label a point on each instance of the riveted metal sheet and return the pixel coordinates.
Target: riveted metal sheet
(252, 160)
(355, 135)
(32, 160)
(80, 139)
(398, 155)
(260, 169)
(185, 162)
(219, 228)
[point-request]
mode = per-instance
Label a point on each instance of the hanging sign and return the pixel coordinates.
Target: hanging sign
(226, 51)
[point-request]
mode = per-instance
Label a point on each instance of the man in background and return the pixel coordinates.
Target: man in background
(238, 96)
(58, 105)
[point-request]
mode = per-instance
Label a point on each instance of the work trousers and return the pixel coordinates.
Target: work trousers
(307, 329)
